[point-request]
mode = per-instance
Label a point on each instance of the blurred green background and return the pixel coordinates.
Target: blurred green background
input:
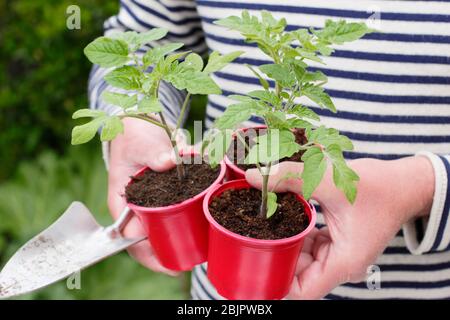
(43, 79)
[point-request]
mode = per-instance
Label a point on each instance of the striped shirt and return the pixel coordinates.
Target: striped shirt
(391, 89)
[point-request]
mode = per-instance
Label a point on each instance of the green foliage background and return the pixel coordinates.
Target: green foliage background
(43, 79)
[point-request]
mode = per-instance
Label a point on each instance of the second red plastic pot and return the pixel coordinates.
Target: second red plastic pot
(233, 171)
(246, 268)
(178, 233)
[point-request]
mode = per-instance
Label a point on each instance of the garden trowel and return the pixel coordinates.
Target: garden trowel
(74, 242)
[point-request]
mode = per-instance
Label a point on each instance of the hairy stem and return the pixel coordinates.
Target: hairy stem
(181, 172)
(183, 110)
(264, 192)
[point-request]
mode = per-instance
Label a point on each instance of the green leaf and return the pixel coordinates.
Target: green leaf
(314, 167)
(344, 177)
(112, 127)
(264, 83)
(193, 61)
(327, 137)
(218, 144)
(194, 82)
(126, 77)
(152, 35)
(310, 55)
(273, 146)
(314, 76)
(149, 105)
(157, 53)
(217, 61)
(304, 112)
(236, 113)
(279, 73)
(88, 113)
(266, 96)
(84, 133)
(339, 32)
(119, 99)
(107, 52)
(272, 204)
(295, 123)
(319, 96)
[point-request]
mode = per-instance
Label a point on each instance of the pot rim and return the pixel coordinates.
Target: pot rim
(227, 160)
(184, 203)
(242, 183)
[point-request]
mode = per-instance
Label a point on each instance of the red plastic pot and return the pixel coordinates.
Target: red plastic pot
(246, 268)
(233, 171)
(178, 233)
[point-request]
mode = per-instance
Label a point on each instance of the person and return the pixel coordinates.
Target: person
(392, 93)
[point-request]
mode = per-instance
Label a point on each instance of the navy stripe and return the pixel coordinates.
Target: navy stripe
(416, 267)
(377, 77)
(413, 99)
(358, 155)
(364, 116)
(148, 9)
(382, 118)
(404, 284)
(360, 55)
(327, 11)
(397, 37)
(446, 212)
(210, 296)
(177, 8)
(396, 138)
(146, 25)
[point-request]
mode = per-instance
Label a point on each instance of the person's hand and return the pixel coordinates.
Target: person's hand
(389, 194)
(141, 144)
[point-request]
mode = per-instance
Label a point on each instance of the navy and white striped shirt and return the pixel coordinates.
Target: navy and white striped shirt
(392, 91)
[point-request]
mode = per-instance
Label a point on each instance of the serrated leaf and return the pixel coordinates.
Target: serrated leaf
(314, 76)
(119, 99)
(314, 167)
(272, 204)
(193, 61)
(88, 113)
(194, 82)
(279, 73)
(218, 144)
(266, 96)
(112, 127)
(344, 177)
(154, 55)
(217, 61)
(107, 52)
(152, 35)
(84, 133)
(264, 83)
(149, 105)
(273, 146)
(339, 32)
(327, 137)
(236, 113)
(304, 112)
(295, 123)
(126, 77)
(319, 96)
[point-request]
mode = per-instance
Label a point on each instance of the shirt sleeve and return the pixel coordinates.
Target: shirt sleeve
(184, 25)
(432, 234)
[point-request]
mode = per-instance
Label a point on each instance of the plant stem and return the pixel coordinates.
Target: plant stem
(264, 192)
(183, 110)
(248, 150)
(148, 119)
(181, 173)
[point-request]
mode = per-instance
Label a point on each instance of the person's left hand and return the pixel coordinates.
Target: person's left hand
(389, 194)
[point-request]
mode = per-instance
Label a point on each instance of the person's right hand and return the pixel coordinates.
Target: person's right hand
(141, 144)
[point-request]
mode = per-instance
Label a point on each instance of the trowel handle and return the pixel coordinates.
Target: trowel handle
(116, 228)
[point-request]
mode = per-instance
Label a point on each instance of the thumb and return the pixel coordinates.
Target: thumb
(281, 177)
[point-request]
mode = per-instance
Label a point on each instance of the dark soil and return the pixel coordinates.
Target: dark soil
(159, 189)
(238, 159)
(237, 210)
